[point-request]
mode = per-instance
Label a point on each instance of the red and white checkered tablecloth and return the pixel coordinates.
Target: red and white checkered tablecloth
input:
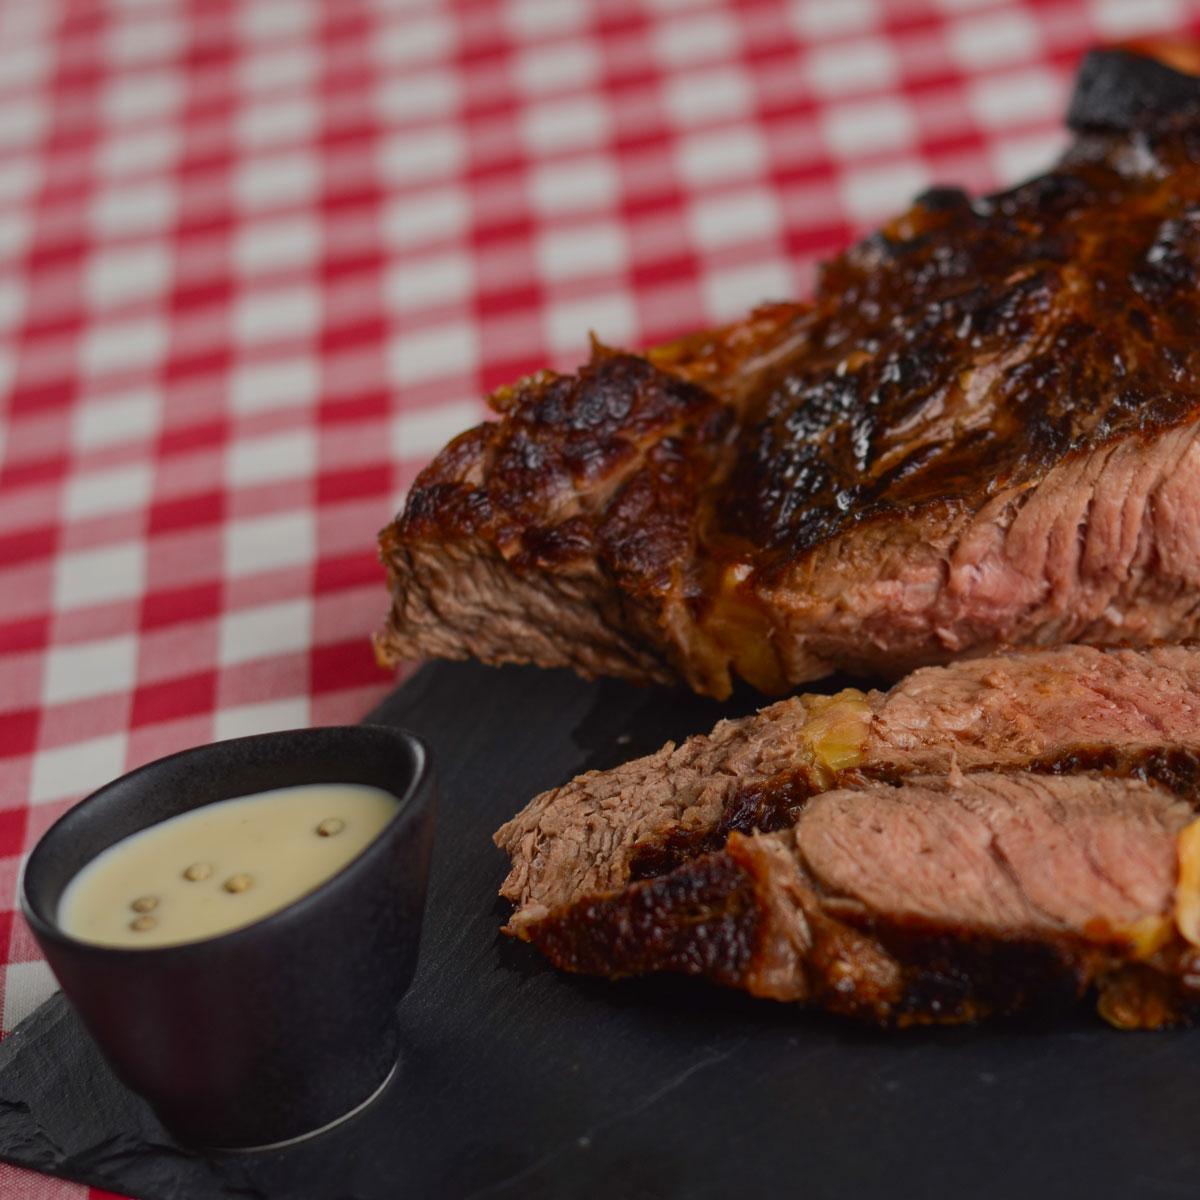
(259, 259)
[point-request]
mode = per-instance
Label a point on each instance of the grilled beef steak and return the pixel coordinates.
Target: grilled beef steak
(926, 903)
(982, 431)
(988, 837)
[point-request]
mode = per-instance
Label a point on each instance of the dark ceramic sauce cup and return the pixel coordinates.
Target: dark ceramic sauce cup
(279, 1028)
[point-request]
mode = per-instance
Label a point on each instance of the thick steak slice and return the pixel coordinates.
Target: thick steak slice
(1052, 710)
(981, 432)
(931, 902)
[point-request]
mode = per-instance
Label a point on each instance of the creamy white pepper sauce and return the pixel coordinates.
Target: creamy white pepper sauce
(222, 866)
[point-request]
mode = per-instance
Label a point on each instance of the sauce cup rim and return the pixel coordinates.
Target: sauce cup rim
(46, 927)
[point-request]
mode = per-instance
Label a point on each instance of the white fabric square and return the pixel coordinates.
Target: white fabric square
(112, 420)
(256, 460)
(265, 631)
(269, 180)
(27, 986)
(15, 227)
(134, 208)
(1000, 100)
(425, 216)
(419, 433)
(571, 123)
(993, 38)
(20, 176)
(281, 383)
(598, 247)
(29, 20)
(826, 18)
(413, 94)
(276, 120)
(877, 192)
(862, 65)
(415, 156)
(119, 274)
(611, 316)
(78, 768)
(731, 292)
(128, 151)
(281, 313)
(1017, 158)
(84, 577)
(23, 123)
(136, 95)
(441, 350)
(242, 720)
(254, 544)
(1124, 18)
(696, 37)
(413, 38)
(547, 68)
(712, 94)
(97, 493)
(273, 68)
(134, 344)
(268, 20)
(567, 185)
(78, 670)
(415, 283)
(721, 155)
(737, 217)
(541, 18)
(12, 301)
(144, 37)
(868, 126)
(276, 243)
(28, 67)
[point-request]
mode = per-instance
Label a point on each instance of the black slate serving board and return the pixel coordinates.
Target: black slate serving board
(517, 1081)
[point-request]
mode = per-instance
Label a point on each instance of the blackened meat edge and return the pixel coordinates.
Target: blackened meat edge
(760, 917)
(982, 431)
(993, 837)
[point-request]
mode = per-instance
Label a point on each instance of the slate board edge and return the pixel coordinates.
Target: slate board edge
(993, 1113)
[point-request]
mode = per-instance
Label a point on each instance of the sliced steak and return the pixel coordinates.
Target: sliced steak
(1064, 710)
(930, 902)
(983, 431)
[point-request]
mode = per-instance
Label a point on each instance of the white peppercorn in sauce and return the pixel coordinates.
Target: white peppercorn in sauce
(222, 866)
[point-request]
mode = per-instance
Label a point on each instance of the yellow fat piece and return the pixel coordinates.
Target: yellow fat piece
(1187, 889)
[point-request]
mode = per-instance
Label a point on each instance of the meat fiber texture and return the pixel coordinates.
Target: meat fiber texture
(991, 837)
(981, 432)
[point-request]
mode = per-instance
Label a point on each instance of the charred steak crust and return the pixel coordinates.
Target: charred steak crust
(766, 916)
(992, 837)
(982, 431)
(1117, 91)
(700, 919)
(703, 920)
(589, 479)
(778, 802)
(1176, 768)
(566, 532)
(1128, 713)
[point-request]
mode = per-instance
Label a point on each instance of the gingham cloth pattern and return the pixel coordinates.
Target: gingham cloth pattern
(261, 259)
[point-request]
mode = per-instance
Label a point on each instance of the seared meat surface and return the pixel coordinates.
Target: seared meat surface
(981, 432)
(991, 837)
(927, 903)
(1064, 710)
